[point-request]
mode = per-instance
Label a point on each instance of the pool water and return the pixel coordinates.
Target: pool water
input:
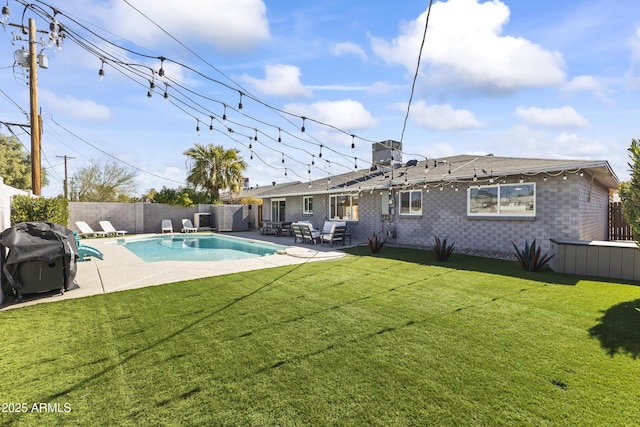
(200, 247)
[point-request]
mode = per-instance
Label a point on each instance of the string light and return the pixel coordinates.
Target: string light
(282, 157)
(353, 142)
(198, 127)
(161, 70)
(101, 71)
(224, 114)
(240, 102)
(302, 128)
(250, 146)
(279, 135)
(166, 92)
(211, 125)
(320, 155)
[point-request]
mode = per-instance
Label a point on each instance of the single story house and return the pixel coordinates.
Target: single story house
(478, 202)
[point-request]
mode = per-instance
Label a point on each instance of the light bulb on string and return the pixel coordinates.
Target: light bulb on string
(279, 135)
(250, 146)
(161, 70)
(166, 92)
(224, 114)
(255, 138)
(211, 126)
(313, 160)
(251, 155)
(240, 102)
(285, 171)
(282, 157)
(5, 13)
(198, 127)
(302, 129)
(101, 71)
(320, 155)
(353, 142)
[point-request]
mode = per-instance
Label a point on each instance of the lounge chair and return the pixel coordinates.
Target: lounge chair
(309, 234)
(110, 229)
(86, 231)
(297, 233)
(337, 234)
(167, 226)
(187, 226)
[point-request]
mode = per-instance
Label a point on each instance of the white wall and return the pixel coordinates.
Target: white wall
(6, 193)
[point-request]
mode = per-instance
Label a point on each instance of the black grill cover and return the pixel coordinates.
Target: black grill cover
(38, 241)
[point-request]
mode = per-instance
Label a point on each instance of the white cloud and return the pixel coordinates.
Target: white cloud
(464, 44)
(563, 117)
(227, 25)
(440, 117)
(279, 80)
(589, 84)
(68, 106)
(347, 48)
(345, 114)
(381, 88)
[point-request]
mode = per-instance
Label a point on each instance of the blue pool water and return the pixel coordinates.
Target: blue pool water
(198, 247)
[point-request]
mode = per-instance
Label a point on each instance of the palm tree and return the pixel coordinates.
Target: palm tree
(213, 168)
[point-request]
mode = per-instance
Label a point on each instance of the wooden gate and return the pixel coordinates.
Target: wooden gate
(619, 229)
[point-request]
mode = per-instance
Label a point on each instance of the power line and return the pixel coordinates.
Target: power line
(415, 76)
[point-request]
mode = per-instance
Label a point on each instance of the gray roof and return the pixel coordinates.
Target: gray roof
(460, 169)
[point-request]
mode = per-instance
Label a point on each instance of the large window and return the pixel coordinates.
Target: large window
(277, 209)
(504, 200)
(411, 202)
(307, 205)
(344, 207)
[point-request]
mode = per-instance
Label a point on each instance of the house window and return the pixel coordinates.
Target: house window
(307, 205)
(411, 202)
(344, 207)
(277, 209)
(503, 200)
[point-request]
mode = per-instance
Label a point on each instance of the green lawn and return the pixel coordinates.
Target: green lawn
(392, 339)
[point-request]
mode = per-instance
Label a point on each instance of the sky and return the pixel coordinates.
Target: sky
(544, 79)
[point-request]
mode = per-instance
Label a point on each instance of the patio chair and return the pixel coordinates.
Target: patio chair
(110, 229)
(309, 234)
(187, 226)
(86, 231)
(297, 233)
(167, 226)
(337, 234)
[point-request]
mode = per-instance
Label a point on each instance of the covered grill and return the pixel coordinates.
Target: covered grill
(37, 257)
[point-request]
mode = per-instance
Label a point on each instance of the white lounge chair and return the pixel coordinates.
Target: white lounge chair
(86, 231)
(167, 226)
(110, 229)
(187, 226)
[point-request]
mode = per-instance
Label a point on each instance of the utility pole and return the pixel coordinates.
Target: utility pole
(35, 117)
(65, 175)
(32, 62)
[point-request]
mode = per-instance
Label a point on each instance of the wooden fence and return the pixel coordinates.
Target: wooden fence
(619, 229)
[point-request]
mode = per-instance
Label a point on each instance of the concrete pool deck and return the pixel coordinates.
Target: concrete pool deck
(121, 270)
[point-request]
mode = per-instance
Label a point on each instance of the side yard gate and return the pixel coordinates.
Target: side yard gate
(619, 229)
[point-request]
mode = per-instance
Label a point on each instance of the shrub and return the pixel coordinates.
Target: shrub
(25, 208)
(530, 258)
(375, 243)
(441, 250)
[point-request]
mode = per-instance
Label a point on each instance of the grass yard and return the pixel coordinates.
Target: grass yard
(394, 339)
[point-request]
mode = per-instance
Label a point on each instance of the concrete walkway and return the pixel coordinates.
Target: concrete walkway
(122, 270)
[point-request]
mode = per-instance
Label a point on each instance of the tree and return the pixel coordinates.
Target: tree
(103, 182)
(15, 164)
(182, 196)
(213, 168)
(630, 190)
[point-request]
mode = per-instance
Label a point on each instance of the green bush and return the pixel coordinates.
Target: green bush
(376, 243)
(530, 257)
(442, 251)
(25, 208)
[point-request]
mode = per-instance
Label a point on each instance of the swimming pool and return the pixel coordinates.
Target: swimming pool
(198, 247)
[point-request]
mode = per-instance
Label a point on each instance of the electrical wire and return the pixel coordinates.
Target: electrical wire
(415, 76)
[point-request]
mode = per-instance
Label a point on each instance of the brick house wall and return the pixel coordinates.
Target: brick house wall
(565, 209)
